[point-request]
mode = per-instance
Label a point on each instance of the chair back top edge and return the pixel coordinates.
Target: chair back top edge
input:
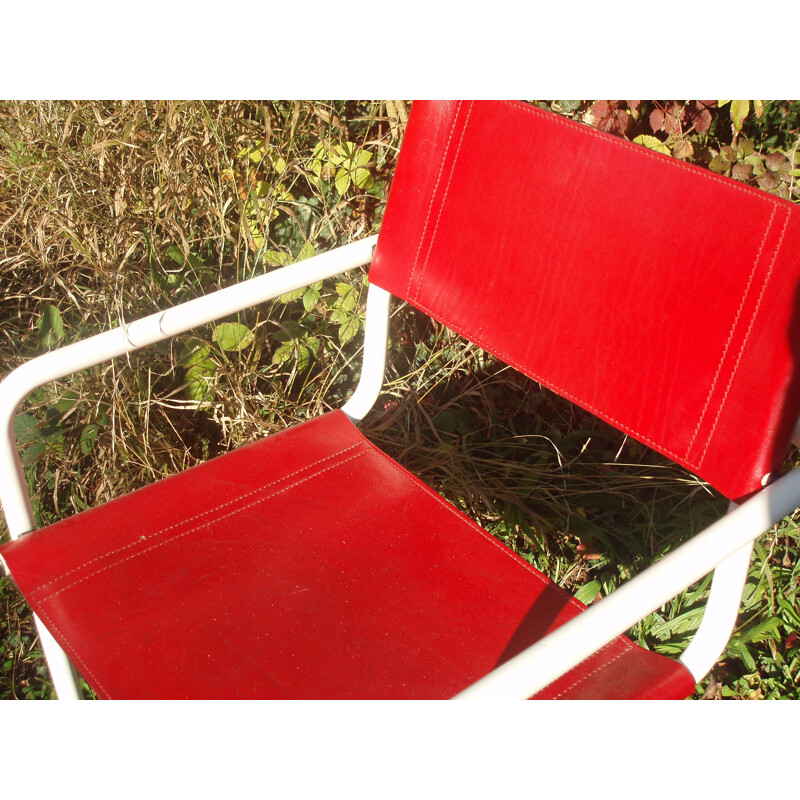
(656, 294)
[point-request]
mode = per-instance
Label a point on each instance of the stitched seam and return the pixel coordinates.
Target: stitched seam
(732, 331)
(477, 528)
(202, 514)
(190, 530)
(530, 373)
(746, 339)
(643, 151)
(444, 198)
(551, 118)
(433, 200)
(74, 655)
(597, 669)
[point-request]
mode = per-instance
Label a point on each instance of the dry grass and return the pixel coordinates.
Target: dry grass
(109, 211)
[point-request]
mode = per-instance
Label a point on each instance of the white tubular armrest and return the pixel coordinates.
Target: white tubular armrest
(560, 651)
(148, 330)
(117, 342)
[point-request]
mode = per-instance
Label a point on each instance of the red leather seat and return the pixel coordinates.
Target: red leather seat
(311, 566)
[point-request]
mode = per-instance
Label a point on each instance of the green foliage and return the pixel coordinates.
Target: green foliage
(169, 201)
(346, 163)
(653, 144)
(232, 336)
(199, 370)
(755, 142)
(51, 327)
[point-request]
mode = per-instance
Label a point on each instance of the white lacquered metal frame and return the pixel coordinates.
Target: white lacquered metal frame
(726, 545)
(130, 337)
(719, 617)
(566, 647)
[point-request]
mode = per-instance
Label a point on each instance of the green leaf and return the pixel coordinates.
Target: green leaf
(278, 163)
(362, 178)
(342, 181)
(313, 345)
(26, 428)
(195, 353)
(303, 358)
(295, 294)
(199, 386)
(341, 152)
(747, 657)
(310, 299)
(588, 592)
(51, 327)
(348, 296)
(348, 329)
(88, 437)
(718, 164)
(200, 370)
(283, 353)
(232, 336)
(275, 259)
(68, 400)
(176, 254)
(739, 111)
(789, 611)
(765, 630)
(307, 251)
(254, 152)
(651, 143)
(688, 621)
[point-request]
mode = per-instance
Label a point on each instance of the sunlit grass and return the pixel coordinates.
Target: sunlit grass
(109, 211)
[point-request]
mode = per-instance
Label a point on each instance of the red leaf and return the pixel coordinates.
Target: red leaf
(600, 109)
(657, 120)
(673, 116)
(775, 161)
(702, 121)
(698, 114)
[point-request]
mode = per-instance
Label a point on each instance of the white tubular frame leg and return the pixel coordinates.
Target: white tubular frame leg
(376, 339)
(719, 617)
(120, 341)
(560, 651)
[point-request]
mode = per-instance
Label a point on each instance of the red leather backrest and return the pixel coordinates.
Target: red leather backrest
(656, 294)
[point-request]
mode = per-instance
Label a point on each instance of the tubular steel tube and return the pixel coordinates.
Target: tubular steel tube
(564, 648)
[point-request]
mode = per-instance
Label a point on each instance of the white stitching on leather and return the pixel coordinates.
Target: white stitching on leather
(746, 338)
(662, 160)
(745, 294)
(597, 669)
(531, 374)
(547, 116)
(98, 687)
(444, 197)
(433, 200)
(207, 513)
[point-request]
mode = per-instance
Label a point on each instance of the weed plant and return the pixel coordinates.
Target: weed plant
(110, 211)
